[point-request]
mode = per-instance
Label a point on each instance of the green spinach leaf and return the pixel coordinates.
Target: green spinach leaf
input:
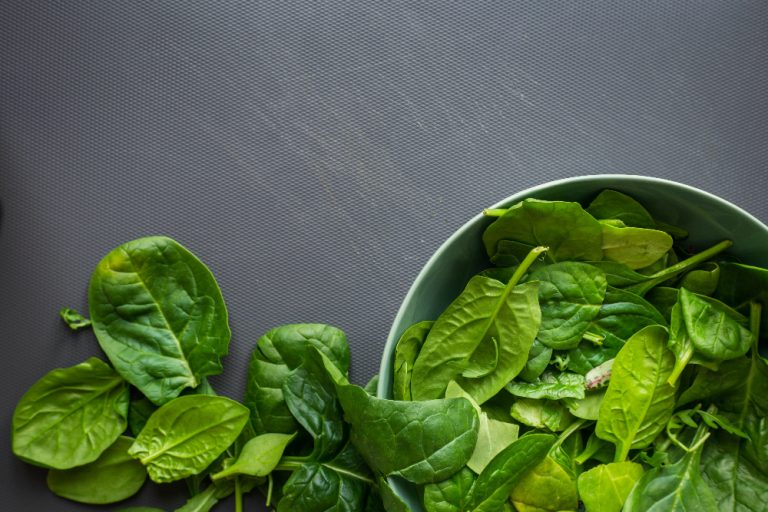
(278, 352)
(487, 317)
(451, 495)
(70, 416)
(494, 485)
(435, 438)
(551, 386)
(542, 414)
(258, 457)
(634, 247)
(159, 316)
(187, 434)
(570, 296)
(606, 487)
(407, 350)
(569, 231)
(612, 204)
(639, 401)
(73, 319)
(547, 487)
(538, 360)
(113, 477)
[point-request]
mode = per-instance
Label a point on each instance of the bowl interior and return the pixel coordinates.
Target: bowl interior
(707, 218)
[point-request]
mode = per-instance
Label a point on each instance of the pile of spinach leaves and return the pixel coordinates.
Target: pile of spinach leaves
(302, 435)
(596, 327)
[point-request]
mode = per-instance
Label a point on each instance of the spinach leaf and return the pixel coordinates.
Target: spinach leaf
(587, 408)
(538, 360)
(113, 477)
(340, 484)
(159, 316)
(551, 386)
(570, 296)
(606, 487)
(569, 231)
(278, 352)
(541, 414)
(634, 247)
(73, 319)
(736, 481)
(435, 438)
(372, 385)
(617, 274)
(451, 495)
(390, 501)
(258, 457)
(702, 280)
(622, 314)
(547, 487)
(677, 487)
(139, 412)
(188, 433)
(487, 317)
(663, 298)
(494, 485)
(740, 284)
(70, 416)
(639, 401)
(310, 395)
(406, 351)
(203, 502)
(612, 204)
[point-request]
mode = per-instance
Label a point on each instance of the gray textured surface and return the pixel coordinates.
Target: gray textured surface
(314, 154)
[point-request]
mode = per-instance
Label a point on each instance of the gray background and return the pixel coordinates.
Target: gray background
(314, 154)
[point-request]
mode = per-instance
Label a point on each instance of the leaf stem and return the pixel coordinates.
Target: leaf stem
(755, 313)
(494, 212)
(573, 427)
(680, 364)
(238, 495)
(671, 271)
(595, 339)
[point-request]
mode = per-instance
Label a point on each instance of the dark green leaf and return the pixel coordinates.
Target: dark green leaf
(187, 434)
(538, 360)
(612, 204)
(451, 495)
(570, 296)
(407, 350)
(139, 412)
(277, 353)
(70, 416)
(422, 442)
(113, 477)
(494, 485)
(569, 231)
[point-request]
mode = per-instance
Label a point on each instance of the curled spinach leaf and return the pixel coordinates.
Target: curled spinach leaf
(159, 316)
(406, 352)
(73, 319)
(70, 416)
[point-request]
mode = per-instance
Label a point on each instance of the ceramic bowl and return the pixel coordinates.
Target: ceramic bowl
(708, 218)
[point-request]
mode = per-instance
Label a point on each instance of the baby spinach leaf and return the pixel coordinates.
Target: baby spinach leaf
(70, 416)
(508, 255)
(310, 395)
(737, 483)
(113, 477)
(551, 386)
(159, 316)
(541, 414)
(487, 316)
(569, 231)
(639, 401)
(677, 487)
(188, 433)
(587, 408)
(406, 351)
(538, 360)
(547, 487)
(451, 495)
(73, 319)
(606, 487)
(277, 353)
(340, 484)
(570, 296)
(634, 247)
(663, 298)
(435, 438)
(203, 502)
(702, 280)
(716, 331)
(139, 412)
(612, 204)
(258, 457)
(494, 485)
